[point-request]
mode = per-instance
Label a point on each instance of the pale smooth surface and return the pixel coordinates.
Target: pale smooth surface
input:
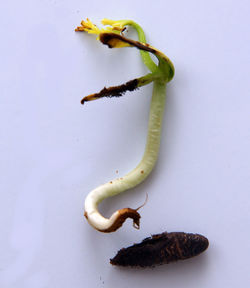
(54, 151)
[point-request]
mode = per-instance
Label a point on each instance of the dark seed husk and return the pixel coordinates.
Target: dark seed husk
(161, 249)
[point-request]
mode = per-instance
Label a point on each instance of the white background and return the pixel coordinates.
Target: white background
(54, 150)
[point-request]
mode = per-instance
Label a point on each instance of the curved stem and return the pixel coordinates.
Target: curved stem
(134, 177)
(147, 60)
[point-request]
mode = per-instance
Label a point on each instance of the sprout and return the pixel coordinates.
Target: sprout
(160, 74)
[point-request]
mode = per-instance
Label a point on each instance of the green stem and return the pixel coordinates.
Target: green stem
(150, 156)
(147, 60)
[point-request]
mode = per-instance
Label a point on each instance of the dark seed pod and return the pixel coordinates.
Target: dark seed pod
(161, 249)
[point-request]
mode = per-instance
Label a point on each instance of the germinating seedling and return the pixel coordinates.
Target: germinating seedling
(160, 75)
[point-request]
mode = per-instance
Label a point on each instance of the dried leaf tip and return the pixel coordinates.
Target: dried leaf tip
(113, 91)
